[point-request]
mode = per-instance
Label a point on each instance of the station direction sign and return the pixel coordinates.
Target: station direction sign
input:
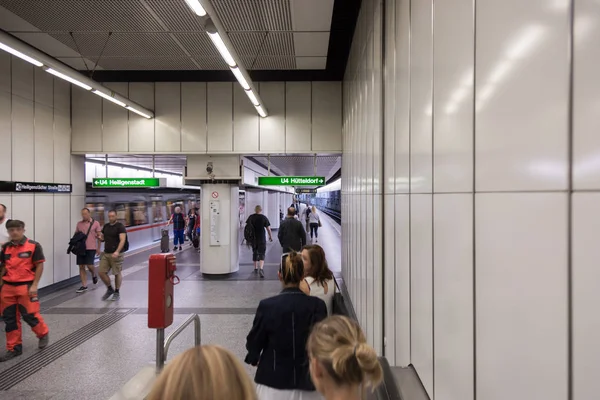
(306, 191)
(128, 182)
(291, 181)
(34, 187)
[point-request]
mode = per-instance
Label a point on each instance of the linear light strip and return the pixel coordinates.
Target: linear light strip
(109, 98)
(22, 56)
(68, 79)
(214, 29)
(28, 53)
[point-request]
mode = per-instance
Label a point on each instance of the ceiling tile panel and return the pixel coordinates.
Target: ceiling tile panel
(197, 44)
(84, 15)
(278, 44)
(147, 63)
(247, 43)
(312, 15)
(176, 15)
(86, 44)
(311, 44)
(215, 63)
(311, 62)
(142, 45)
(254, 15)
(275, 63)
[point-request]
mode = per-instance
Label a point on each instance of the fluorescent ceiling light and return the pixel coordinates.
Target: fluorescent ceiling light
(138, 112)
(260, 111)
(196, 7)
(109, 98)
(252, 97)
(20, 55)
(238, 74)
(68, 79)
(220, 45)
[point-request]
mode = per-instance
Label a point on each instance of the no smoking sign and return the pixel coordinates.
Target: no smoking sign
(215, 195)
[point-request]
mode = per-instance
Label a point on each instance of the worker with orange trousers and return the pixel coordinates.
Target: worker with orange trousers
(21, 267)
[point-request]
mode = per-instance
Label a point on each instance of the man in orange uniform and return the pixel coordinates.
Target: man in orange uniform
(22, 264)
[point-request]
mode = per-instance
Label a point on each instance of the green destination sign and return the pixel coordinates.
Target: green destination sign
(125, 182)
(291, 180)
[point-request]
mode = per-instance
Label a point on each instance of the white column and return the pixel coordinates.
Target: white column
(220, 242)
(272, 211)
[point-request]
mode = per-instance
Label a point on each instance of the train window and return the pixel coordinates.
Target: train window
(97, 211)
(132, 214)
(140, 213)
(172, 204)
(157, 211)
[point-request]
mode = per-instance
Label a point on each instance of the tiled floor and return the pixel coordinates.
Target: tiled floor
(107, 360)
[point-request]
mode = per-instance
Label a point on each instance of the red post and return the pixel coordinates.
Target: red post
(161, 278)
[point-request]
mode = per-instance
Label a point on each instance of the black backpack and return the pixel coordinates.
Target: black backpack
(249, 234)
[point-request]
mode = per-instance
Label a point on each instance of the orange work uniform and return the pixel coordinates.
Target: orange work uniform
(20, 260)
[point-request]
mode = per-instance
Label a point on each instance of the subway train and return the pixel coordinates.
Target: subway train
(327, 201)
(143, 212)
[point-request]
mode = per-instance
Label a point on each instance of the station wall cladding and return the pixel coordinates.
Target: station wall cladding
(484, 174)
(35, 138)
(213, 117)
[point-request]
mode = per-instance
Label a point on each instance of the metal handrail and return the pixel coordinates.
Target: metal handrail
(163, 349)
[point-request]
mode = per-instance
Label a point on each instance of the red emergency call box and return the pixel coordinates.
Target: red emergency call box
(161, 278)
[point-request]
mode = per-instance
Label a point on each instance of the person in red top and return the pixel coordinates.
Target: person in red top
(21, 266)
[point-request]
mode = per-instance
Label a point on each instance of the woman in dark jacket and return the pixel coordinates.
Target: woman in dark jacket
(277, 342)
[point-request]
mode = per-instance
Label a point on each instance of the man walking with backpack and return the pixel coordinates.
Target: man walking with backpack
(114, 236)
(254, 233)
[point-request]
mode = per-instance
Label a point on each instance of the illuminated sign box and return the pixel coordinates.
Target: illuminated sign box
(34, 187)
(291, 180)
(128, 182)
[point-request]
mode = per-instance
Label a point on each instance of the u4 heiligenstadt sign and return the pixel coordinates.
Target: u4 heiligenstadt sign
(291, 181)
(126, 182)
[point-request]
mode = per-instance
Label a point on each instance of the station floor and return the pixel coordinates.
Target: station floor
(97, 347)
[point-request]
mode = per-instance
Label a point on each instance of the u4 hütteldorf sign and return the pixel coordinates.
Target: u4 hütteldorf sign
(126, 182)
(291, 181)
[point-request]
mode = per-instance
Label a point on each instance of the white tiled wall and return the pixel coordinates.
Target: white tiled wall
(213, 117)
(479, 209)
(35, 134)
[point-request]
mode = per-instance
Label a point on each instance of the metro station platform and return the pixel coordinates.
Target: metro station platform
(98, 346)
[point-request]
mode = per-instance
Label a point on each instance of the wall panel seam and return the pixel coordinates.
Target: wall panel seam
(570, 155)
(474, 199)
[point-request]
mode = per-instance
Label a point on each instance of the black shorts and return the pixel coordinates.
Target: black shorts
(88, 259)
(258, 251)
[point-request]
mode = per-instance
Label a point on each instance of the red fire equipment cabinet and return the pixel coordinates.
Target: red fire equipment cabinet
(161, 279)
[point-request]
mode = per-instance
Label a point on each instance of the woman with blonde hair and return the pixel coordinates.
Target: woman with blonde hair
(342, 364)
(277, 342)
(204, 373)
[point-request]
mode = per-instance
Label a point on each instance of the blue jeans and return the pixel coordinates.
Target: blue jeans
(179, 236)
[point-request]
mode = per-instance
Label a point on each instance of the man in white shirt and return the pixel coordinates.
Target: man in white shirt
(3, 219)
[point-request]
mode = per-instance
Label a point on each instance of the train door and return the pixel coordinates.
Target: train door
(157, 212)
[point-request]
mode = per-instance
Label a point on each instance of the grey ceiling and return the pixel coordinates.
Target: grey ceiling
(172, 164)
(166, 35)
(302, 165)
(280, 165)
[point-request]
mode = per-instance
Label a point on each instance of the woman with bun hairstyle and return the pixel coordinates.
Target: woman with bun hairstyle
(342, 364)
(318, 279)
(204, 373)
(277, 342)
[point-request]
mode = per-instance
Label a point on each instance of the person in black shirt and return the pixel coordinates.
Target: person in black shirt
(276, 343)
(114, 236)
(291, 234)
(259, 247)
